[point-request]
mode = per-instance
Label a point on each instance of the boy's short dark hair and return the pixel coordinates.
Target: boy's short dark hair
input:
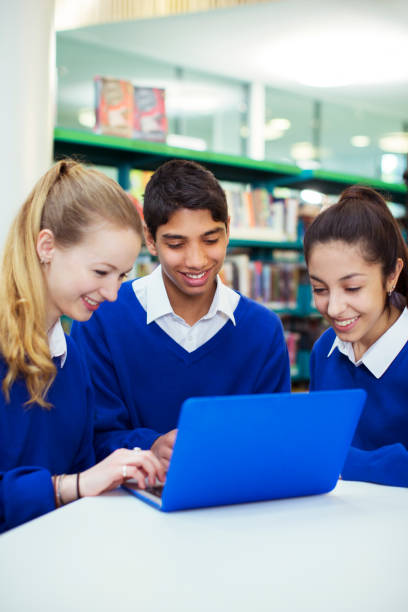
(180, 183)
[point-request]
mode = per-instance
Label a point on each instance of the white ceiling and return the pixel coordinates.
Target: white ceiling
(283, 42)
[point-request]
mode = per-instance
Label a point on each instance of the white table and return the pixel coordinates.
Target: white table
(345, 551)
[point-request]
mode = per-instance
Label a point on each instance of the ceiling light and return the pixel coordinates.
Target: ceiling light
(186, 142)
(394, 142)
(272, 133)
(360, 141)
(278, 124)
(302, 150)
(86, 117)
(328, 62)
(308, 164)
(310, 196)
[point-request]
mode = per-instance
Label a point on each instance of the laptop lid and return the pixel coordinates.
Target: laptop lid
(244, 448)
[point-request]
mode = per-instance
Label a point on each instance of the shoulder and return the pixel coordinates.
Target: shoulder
(325, 342)
(257, 320)
(255, 311)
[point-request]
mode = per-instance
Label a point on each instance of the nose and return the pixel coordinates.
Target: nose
(336, 304)
(109, 291)
(195, 256)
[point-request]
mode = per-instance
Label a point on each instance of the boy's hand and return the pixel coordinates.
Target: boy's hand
(162, 447)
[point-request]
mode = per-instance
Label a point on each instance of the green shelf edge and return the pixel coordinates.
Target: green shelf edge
(130, 145)
(228, 167)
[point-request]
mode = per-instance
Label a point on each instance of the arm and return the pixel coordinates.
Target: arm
(25, 494)
(387, 465)
(115, 426)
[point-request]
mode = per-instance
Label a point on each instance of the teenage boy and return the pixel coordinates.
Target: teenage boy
(178, 332)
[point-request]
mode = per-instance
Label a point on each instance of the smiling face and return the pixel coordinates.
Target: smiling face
(191, 248)
(80, 277)
(351, 292)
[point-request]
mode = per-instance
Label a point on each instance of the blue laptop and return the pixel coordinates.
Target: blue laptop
(246, 448)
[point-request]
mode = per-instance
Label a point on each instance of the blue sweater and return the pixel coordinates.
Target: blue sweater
(379, 451)
(141, 376)
(36, 443)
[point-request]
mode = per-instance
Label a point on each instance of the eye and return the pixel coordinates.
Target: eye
(318, 290)
(100, 272)
(175, 246)
(211, 240)
(352, 289)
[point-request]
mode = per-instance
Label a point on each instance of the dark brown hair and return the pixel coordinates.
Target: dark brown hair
(180, 183)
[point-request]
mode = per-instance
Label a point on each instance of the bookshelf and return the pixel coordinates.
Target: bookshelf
(126, 153)
(299, 318)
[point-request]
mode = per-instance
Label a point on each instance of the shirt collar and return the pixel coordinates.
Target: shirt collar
(382, 353)
(57, 342)
(158, 303)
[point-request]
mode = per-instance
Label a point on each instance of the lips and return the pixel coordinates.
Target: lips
(90, 304)
(196, 279)
(345, 324)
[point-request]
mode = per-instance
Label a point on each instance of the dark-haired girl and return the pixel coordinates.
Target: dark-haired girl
(358, 268)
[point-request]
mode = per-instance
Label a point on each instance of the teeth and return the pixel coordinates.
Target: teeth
(91, 302)
(345, 322)
(195, 275)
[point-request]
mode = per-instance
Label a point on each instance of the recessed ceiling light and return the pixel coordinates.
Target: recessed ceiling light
(303, 151)
(279, 124)
(186, 142)
(360, 141)
(394, 142)
(271, 133)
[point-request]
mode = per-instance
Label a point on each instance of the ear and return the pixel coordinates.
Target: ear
(150, 242)
(394, 276)
(228, 227)
(45, 245)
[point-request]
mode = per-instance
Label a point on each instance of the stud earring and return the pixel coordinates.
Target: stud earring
(391, 291)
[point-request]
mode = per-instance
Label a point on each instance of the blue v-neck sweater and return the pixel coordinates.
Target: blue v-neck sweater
(141, 376)
(379, 451)
(36, 443)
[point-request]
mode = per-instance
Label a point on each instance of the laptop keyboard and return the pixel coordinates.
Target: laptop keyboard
(156, 490)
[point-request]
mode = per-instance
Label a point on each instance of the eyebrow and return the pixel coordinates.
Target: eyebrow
(211, 232)
(343, 278)
(102, 263)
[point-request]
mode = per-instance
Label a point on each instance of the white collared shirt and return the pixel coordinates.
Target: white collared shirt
(382, 353)
(152, 295)
(57, 342)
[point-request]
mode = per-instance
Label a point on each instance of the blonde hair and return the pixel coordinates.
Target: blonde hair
(66, 200)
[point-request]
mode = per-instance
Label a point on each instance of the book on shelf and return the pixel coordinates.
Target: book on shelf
(122, 109)
(292, 342)
(138, 180)
(150, 121)
(143, 266)
(273, 284)
(257, 214)
(114, 107)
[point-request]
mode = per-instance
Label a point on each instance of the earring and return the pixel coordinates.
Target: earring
(43, 261)
(390, 292)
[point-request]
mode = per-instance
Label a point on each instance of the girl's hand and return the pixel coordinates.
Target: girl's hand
(118, 467)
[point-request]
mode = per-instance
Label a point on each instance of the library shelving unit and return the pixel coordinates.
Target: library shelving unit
(127, 154)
